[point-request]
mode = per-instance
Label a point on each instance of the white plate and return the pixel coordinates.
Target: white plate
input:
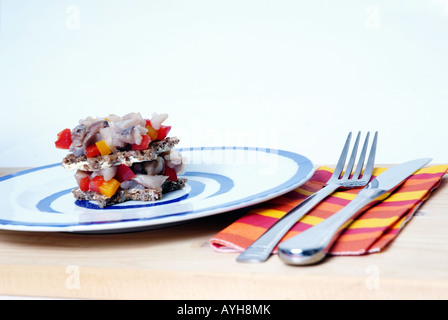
(220, 179)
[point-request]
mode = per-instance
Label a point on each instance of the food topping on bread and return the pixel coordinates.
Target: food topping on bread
(93, 137)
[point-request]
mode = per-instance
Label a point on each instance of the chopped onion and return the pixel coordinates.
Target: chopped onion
(175, 161)
(157, 119)
(150, 182)
(107, 173)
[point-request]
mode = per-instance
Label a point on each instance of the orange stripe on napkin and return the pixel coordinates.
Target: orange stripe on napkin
(372, 231)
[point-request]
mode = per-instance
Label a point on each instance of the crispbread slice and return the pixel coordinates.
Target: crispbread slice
(72, 162)
(132, 194)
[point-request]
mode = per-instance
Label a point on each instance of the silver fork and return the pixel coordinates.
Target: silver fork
(261, 249)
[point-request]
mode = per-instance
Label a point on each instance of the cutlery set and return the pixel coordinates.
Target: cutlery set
(311, 245)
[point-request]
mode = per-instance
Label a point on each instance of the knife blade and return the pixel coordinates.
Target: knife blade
(310, 246)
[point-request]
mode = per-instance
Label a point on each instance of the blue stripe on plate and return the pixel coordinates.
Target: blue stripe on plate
(225, 185)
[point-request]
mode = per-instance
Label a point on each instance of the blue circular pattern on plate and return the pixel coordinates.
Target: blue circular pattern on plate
(225, 185)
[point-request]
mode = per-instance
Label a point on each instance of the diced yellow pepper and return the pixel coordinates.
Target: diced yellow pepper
(152, 133)
(108, 188)
(103, 148)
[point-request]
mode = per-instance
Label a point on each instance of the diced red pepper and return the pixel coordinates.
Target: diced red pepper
(163, 132)
(143, 145)
(95, 183)
(171, 173)
(64, 139)
(92, 151)
(84, 184)
(157, 134)
(124, 173)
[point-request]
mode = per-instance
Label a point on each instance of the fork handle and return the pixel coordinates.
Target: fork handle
(261, 249)
(310, 246)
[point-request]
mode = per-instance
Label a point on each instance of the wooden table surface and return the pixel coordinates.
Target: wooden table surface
(178, 263)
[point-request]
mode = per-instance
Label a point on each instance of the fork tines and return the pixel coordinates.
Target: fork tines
(358, 174)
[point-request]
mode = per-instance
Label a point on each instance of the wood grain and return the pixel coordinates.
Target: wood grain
(178, 263)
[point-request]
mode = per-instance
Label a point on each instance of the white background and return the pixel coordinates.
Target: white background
(295, 75)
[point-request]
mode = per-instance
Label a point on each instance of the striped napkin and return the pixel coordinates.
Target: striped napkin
(372, 231)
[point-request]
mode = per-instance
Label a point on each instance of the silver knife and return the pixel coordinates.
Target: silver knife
(310, 246)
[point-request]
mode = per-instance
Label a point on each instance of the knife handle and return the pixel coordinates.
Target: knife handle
(261, 249)
(310, 246)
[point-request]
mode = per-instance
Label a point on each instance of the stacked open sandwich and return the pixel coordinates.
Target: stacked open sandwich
(122, 158)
